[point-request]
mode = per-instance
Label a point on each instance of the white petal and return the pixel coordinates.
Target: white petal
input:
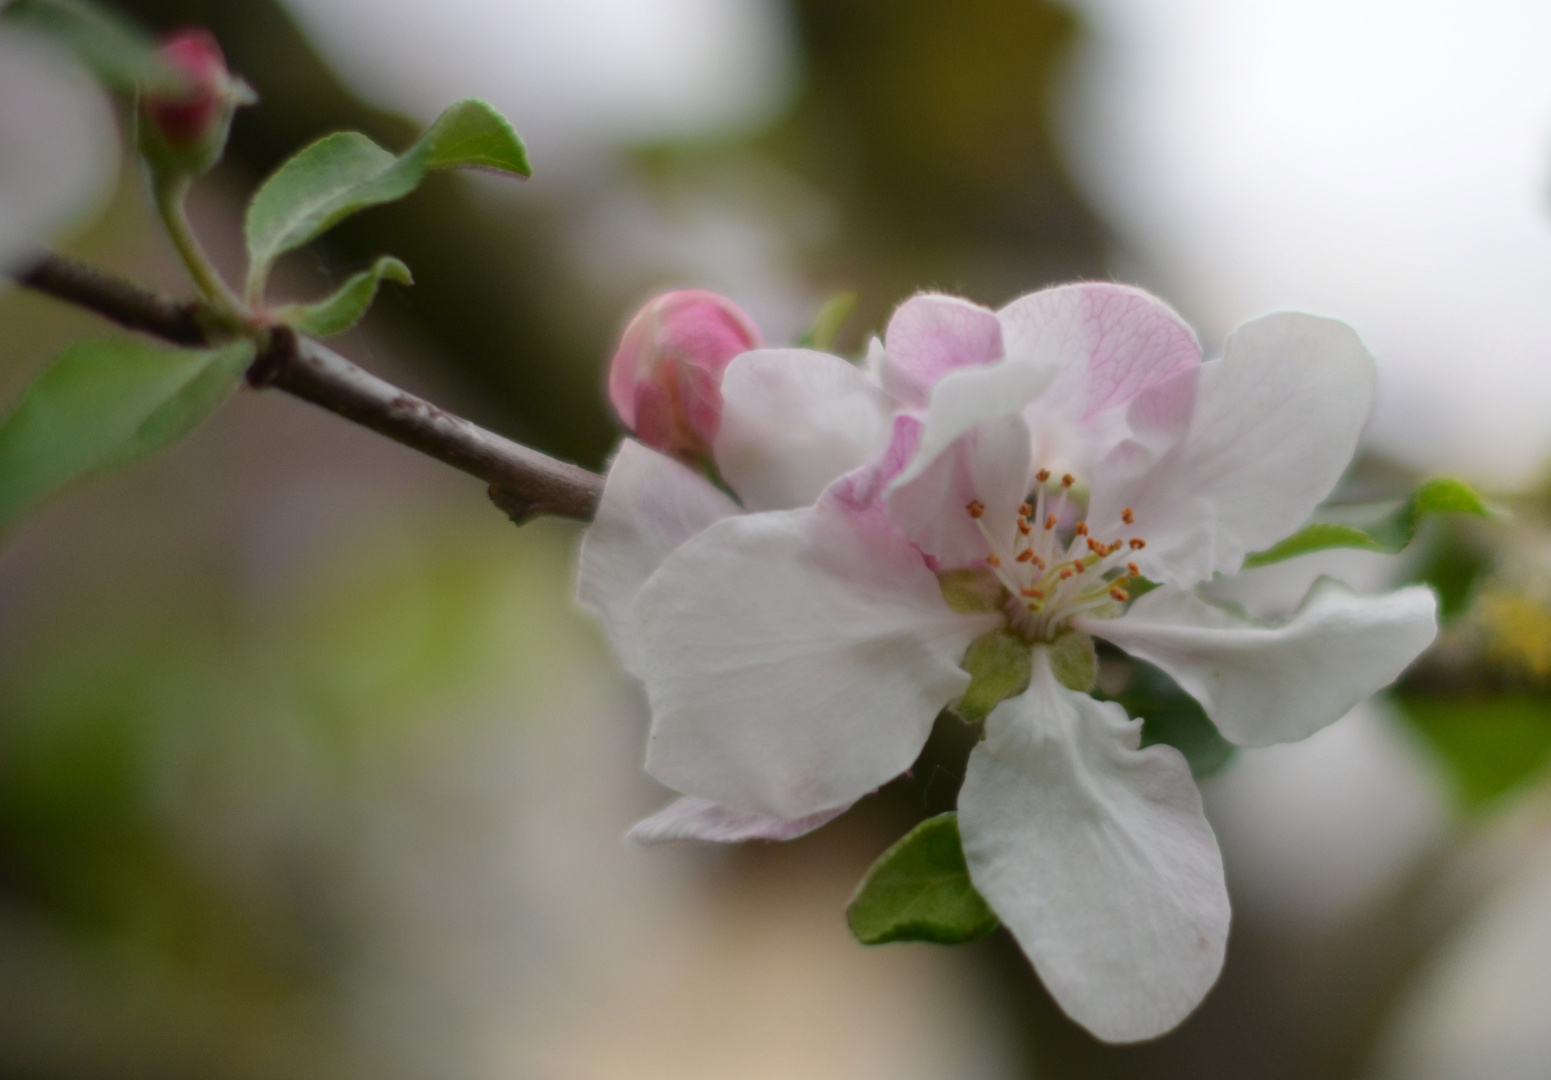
(929, 336)
(1275, 684)
(1275, 424)
(651, 504)
(989, 464)
(1098, 858)
(57, 148)
(795, 660)
(689, 818)
(793, 420)
(972, 396)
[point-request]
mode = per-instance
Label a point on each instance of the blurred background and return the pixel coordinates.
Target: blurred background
(310, 769)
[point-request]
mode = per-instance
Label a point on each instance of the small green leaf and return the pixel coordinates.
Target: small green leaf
(1074, 661)
(830, 320)
(103, 403)
(919, 890)
(1385, 532)
(118, 52)
(345, 173)
(1174, 718)
(344, 309)
(1489, 744)
(999, 663)
(973, 592)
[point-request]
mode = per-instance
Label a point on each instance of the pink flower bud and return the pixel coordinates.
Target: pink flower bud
(184, 129)
(665, 380)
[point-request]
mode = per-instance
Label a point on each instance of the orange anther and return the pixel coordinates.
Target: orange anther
(994, 559)
(1136, 571)
(1119, 594)
(1066, 573)
(1033, 593)
(976, 508)
(1024, 528)
(1026, 510)
(1096, 547)
(1128, 516)
(1026, 555)
(1050, 522)
(1042, 475)
(1138, 544)
(1078, 566)
(1116, 546)
(1068, 480)
(1039, 562)
(1082, 528)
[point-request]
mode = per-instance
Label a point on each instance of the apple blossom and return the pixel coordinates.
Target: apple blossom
(1041, 463)
(57, 147)
(183, 132)
(665, 378)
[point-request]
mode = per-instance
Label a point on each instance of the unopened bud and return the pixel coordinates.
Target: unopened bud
(665, 380)
(183, 130)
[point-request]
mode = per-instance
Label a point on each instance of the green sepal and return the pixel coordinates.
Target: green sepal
(350, 301)
(999, 663)
(1174, 718)
(828, 323)
(974, 592)
(1074, 661)
(344, 173)
(103, 403)
(122, 56)
(919, 890)
(1384, 532)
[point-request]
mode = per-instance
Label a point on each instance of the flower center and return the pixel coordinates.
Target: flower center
(1053, 572)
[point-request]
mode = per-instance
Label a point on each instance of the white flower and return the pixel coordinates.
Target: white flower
(1048, 456)
(57, 147)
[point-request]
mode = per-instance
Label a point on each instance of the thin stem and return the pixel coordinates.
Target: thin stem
(523, 482)
(169, 198)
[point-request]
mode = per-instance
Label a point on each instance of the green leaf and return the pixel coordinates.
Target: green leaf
(103, 403)
(999, 663)
(344, 309)
(1174, 718)
(830, 320)
(1385, 532)
(118, 52)
(345, 173)
(1489, 745)
(919, 890)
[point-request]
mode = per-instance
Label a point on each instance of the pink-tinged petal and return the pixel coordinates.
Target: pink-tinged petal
(795, 660)
(863, 488)
(1274, 425)
(931, 335)
(651, 504)
(1109, 342)
(965, 399)
(990, 465)
(1098, 858)
(689, 818)
(1283, 682)
(793, 421)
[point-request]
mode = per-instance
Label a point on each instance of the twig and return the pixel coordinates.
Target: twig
(523, 482)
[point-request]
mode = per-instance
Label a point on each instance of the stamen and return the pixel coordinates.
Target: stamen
(1096, 547)
(1068, 480)
(1082, 528)
(1024, 528)
(1032, 592)
(1042, 476)
(1136, 571)
(976, 508)
(1138, 544)
(1119, 594)
(1027, 555)
(994, 559)
(1026, 511)
(1066, 573)
(1128, 516)
(1050, 522)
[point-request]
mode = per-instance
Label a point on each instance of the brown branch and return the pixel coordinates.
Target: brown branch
(523, 482)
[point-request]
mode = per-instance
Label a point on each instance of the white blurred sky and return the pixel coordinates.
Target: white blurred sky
(1386, 162)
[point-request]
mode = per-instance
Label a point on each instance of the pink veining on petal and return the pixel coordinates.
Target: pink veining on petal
(931, 335)
(862, 488)
(692, 818)
(1110, 341)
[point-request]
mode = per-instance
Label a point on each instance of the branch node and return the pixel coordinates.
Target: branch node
(278, 351)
